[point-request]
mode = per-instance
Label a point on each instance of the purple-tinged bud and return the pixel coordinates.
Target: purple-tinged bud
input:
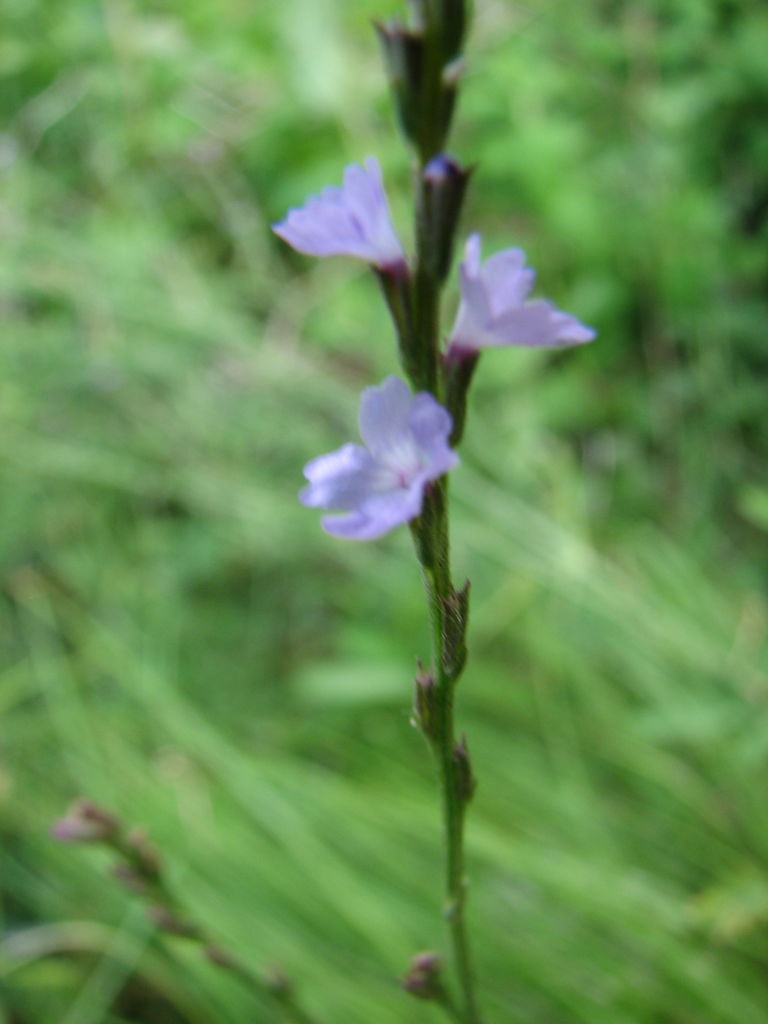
(465, 780)
(428, 961)
(423, 978)
(424, 694)
(85, 822)
(444, 184)
(459, 365)
(456, 613)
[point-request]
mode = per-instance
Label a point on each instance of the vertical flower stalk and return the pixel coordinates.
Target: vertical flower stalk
(399, 474)
(440, 186)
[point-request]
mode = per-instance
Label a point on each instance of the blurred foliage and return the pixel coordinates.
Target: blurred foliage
(181, 642)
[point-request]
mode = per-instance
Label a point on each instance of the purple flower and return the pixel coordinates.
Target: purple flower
(353, 220)
(494, 310)
(382, 485)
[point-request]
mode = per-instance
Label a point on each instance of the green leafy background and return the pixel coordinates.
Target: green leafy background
(182, 643)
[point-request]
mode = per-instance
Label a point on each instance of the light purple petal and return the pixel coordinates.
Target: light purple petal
(431, 425)
(378, 516)
(506, 279)
(473, 293)
(324, 228)
(570, 330)
(363, 190)
(384, 416)
(474, 309)
(539, 325)
(340, 479)
(353, 220)
(473, 251)
(428, 419)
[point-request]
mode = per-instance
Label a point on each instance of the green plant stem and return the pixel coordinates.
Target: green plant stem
(432, 545)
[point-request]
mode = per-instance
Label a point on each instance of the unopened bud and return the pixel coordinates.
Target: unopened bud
(405, 59)
(459, 364)
(456, 608)
(465, 780)
(85, 822)
(424, 693)
(444, 186)
(427, 961)
(452, 16)
(423, 978)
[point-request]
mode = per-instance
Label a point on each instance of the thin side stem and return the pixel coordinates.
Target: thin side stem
(141, 872)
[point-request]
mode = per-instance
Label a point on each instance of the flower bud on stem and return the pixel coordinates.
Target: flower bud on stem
(425, 68)
(397, 287)
(459, 367)
(444, 184)
(423, 981)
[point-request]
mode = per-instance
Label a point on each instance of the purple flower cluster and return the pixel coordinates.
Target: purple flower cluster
(381, 485)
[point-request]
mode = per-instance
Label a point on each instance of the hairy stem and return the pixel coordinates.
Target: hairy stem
(448, 618)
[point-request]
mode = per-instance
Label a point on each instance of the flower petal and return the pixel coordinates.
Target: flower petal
(384, 418)
(474, 309)
(431, 425)
(323, 228)
(378, 515)
(539, 324)
(340, 479)
(353, 220)
(473, 251)
(506, 279)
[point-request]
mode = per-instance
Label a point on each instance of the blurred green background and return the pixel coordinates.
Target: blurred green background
(182, 643)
